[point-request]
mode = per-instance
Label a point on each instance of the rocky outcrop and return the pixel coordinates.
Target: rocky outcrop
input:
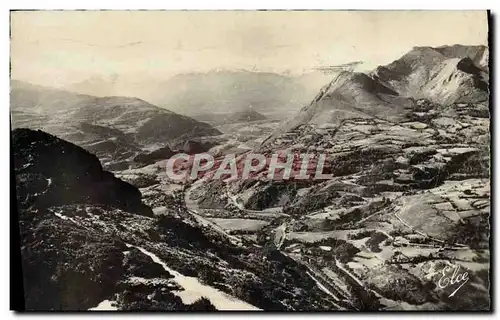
(66, 267)
(447, 74)
(50, 172)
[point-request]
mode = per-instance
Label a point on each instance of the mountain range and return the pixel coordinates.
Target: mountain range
(408, 146)
(443, 75)
(217, 91)
(117, 128)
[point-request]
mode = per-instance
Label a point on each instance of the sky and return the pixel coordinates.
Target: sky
(56, 48)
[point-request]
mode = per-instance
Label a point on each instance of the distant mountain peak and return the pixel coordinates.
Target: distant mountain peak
(443, 75)
(417, 71)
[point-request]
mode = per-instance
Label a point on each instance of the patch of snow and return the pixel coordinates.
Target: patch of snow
(194, 289)
(65, 217)
(325, 248)
(105, 305)
(26, 165)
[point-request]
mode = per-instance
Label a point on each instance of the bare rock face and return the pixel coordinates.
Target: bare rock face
(445, 75)
(457, 81)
